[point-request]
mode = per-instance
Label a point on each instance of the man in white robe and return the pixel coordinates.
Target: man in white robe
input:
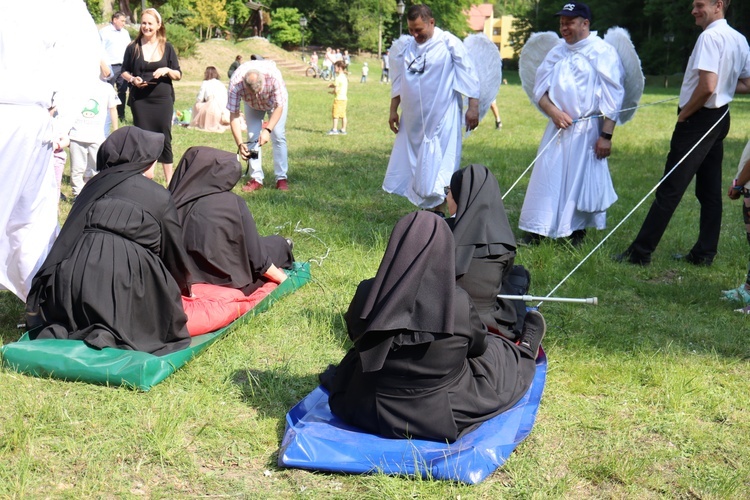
(55, 63)
(430, 74)
(570, 187)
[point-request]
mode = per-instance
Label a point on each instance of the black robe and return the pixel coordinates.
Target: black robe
(219, 232)
(485, 248)
(423, 364)
(115, 275)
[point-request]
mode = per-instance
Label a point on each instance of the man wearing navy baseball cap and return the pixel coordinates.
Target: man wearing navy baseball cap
(570, 187)
(575, 9)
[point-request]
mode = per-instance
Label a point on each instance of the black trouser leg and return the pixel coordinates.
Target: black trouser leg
(668, 195)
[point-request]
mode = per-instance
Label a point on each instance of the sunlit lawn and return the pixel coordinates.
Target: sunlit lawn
(647, 393)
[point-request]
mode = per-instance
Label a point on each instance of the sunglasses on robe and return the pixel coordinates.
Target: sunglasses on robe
(417, 65)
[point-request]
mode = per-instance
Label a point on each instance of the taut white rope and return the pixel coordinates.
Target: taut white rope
(634, 209)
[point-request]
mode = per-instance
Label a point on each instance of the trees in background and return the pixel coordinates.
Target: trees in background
(663, 31)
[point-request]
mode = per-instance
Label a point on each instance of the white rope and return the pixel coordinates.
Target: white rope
(602, 115)
(311, 233)
(532, 163)
(574, 122)
(634, 208)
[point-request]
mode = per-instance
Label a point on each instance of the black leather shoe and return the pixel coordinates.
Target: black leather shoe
(632, 258)
(691, 259)
(534, 329)
(576, 239)
(531, 239)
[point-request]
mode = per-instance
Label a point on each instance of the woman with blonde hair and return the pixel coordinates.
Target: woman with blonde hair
(149, 65)
(210, 111)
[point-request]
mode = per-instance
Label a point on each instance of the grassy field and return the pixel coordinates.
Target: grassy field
(647, 393)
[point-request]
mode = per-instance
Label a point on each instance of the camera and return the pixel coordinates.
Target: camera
(253, 154)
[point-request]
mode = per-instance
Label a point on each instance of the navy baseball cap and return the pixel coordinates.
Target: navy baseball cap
(575, 9)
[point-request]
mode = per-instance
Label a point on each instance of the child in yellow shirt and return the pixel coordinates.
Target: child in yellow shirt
(339, 88)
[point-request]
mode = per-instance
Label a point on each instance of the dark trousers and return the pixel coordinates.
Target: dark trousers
(703, 163)
(122, 89)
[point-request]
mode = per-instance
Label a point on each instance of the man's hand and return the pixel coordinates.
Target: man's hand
(560, 118)
(734, 194)
(264, 136)
(393, 121)
(244, 152)
(602, 148)
(472, 114)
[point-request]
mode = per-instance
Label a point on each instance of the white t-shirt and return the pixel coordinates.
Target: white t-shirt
(722, 50)
(89, 125)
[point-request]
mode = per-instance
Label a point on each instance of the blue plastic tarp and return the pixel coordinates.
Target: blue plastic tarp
(316, 439)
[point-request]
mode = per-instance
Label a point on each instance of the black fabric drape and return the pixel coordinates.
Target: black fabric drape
(115, 275)
(219, 232)
(422, 365)
(481, 226)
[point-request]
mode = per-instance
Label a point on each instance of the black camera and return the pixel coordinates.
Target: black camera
(253, 154)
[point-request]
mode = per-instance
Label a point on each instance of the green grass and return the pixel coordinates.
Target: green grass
(646, 395)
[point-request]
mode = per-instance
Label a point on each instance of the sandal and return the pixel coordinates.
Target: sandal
(739, 294)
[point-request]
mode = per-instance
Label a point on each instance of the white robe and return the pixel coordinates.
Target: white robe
(569, 188)
(60, 57)
(427, 149)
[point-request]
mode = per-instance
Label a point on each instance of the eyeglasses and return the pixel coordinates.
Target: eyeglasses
(417, 65)
(446, 190)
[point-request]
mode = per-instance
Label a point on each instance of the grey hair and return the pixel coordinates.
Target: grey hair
(257, 84)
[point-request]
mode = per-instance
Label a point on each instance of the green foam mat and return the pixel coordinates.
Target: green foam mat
(73, 360)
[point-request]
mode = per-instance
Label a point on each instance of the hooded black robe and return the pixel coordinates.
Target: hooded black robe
(219, 231)
(115, 275)
(485, 247)
(422, 364)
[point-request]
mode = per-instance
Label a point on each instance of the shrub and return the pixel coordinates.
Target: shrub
(182, 39)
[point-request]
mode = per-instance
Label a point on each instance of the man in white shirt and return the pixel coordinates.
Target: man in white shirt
(431, 73)
(718, 66)
(115, 38)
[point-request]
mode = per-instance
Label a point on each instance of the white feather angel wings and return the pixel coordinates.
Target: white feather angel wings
(486, 59)
(539, 44)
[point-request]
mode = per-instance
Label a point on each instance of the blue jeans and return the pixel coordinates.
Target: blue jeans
(254, 119)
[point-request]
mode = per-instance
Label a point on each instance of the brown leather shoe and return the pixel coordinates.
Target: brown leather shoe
(251, 186)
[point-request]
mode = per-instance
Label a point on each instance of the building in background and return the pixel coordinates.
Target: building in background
(482, 20)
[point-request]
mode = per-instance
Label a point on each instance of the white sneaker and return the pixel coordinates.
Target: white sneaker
(333, 132)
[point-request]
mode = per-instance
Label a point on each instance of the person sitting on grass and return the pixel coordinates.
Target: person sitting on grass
(423, 365)
(486, 249)
(741, 187)
(115, 275)
(218, 230)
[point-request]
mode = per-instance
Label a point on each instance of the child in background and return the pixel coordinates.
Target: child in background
(88, 133)
(365, 72)
(739, 187)
(339, 86)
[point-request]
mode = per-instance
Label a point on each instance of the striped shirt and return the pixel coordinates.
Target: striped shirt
(272, 95)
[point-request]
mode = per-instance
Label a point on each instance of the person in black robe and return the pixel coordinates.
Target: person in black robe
(423, 365)
(486, 249)
(219, 232)
(115, 275)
